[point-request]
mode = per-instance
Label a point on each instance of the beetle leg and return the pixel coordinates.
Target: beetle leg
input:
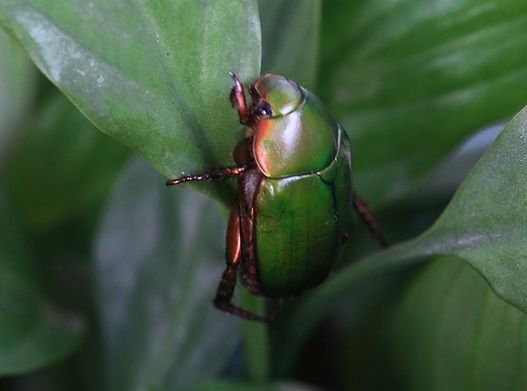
(225, 292)
(361, 207)
(215, 173)
(237, 97)
(248, 186)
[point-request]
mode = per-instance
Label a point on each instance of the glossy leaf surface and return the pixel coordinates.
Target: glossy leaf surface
(158, 80)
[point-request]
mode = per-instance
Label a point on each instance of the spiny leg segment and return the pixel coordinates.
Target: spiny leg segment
(225, 291)
(361, 207)
(227, 285)
(214, 174)
(224, 295)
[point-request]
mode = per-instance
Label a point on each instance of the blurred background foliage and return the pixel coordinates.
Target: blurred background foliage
(106, 276)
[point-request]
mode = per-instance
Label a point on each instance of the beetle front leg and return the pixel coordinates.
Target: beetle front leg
(215, 173)
(238, 98)
(367, 217)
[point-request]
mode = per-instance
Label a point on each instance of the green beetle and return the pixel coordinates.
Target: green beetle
(295, 196)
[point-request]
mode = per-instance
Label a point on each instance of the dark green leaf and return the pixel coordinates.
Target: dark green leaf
(151, 74)
(17, 81)
(33, 333)
(485, 224)
(159, 257)
(62, 164)
(238, 386)
(290, 38)
(410, 79)
(453, 333)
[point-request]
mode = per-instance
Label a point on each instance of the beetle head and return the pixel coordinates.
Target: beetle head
(272, 96)
(275, 95)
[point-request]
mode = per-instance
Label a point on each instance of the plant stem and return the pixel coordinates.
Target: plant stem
(256, 340)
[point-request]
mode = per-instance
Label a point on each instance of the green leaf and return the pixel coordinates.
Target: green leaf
(485, 225)
(486, 221)
(410, 79)
(451, 332)
(159, 258)
(62, 164)
(151, 74)
(290, 38)
(33, 333)
(17, 87)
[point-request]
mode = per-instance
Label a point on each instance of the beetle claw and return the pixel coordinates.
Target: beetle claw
(237, 97)
(232, 97)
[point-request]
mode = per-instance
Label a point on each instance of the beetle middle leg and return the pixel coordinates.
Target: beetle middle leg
(367, 217)
(225, 291)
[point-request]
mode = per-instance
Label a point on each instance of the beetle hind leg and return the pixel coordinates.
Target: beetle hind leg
(225, 291)
(361, 207)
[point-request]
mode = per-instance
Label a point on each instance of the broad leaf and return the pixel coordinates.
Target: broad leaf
(451, 332)
(485, 225)
(410, 79)
(486, 221)
(159, 258)
(33, 332)
(151, 74)
(17, 80)
(62, 164)
(290, 38)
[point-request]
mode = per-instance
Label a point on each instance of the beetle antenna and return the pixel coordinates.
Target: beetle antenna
(237, 97)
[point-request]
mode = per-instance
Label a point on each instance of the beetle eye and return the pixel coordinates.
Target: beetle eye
(263, 108)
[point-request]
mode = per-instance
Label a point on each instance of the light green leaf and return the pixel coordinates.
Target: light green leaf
(151, 74)
(486, 221)
(410, 79)
(33, 332)
(451, 332)
(290, 38)
(159, 258)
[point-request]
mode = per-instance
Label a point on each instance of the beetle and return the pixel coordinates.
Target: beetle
(294, 197)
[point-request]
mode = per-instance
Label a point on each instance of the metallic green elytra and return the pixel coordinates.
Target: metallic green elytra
(303, 204)
(295, 197)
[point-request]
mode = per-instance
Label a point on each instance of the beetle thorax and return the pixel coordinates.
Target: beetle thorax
(300, 142)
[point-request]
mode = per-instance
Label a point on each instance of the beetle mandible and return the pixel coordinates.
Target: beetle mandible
(294, 199)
